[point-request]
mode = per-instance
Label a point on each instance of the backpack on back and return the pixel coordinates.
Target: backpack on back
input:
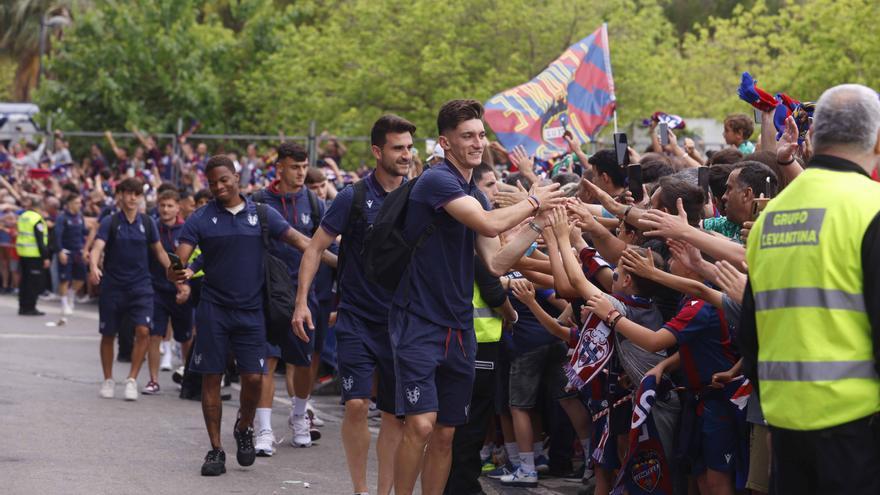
(279, 289)
(387, 254)
(355, 215)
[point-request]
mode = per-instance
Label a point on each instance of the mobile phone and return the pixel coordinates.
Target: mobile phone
(175, 262)
(758, 206)
(620, 145)
(634, 176)
(758, 116)
(664, 134)
(703, 180)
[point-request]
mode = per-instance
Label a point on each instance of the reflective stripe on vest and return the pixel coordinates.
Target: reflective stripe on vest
(487, 325)
(26, 242)
(815, 347)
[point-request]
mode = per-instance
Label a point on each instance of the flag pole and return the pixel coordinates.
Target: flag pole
(615, 121)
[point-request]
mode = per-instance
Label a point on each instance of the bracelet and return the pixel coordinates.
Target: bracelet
(626, 212)
(534, 226)
(534, 200)
(614, 323)
(786, 163)
(611, 314)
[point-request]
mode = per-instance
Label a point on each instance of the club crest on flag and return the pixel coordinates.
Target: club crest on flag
(646, 470)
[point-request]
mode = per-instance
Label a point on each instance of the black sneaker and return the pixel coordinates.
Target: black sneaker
(215, 463)
(244, 441)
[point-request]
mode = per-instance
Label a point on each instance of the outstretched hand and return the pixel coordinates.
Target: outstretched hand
(661, 224)
(633, 262)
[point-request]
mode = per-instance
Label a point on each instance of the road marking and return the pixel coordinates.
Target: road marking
(8, 302)
(37, 336)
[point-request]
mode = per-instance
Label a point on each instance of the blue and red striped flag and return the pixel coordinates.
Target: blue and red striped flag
(574, 93)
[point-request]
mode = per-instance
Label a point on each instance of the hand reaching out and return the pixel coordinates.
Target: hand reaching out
(522, 161)
(523, 290)
(633, 262)
(549, 196)
(788, 142)
(662, 224)
(559, 221)
(731, 281)
(599, 305)
(685, 254)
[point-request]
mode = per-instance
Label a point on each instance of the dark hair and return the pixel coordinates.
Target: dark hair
(455, 112)
(653, 170)
(389, 123)
(132, 185)
(219, 161)
(645, 287)
(718, 178)
(165, 186)
(184, 195)
(655, 157)
(513, 178)
(566, 178)
(168, 194)
(726, 155)
(755, 175)
(70, 187)
(70, 197)
(741, 124)
(202, 194)
(315, 175)
(606, 161)
(292, 150)
(672, 188)
(483, 169)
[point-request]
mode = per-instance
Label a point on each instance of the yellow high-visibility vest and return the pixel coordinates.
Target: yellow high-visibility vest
(26, 242)
(487, 325)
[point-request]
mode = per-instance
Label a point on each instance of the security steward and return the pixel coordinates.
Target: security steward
(466, 466)
(33, 251)
(810, 331)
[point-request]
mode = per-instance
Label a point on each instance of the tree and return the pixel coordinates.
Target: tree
(20, 42)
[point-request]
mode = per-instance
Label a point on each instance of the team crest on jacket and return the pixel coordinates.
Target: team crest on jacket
(304, 217)
(412, 395)
(252, 219)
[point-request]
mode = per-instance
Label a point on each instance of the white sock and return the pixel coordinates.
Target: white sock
(486, 451)
(70, 300)
(166, 347)
(512, 451)
(64, 300)
(299, 406)
(538, 448)
(527, 461)
(263, 419)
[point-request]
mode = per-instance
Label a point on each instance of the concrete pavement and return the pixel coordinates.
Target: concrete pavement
(58, 436)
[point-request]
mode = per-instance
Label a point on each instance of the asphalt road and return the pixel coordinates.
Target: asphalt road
(58, 436)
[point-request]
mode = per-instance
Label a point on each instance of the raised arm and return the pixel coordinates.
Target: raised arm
(644, 267)
(647, 339)
(573, 271)
(300, 241)
(470, 212)
(524, 291)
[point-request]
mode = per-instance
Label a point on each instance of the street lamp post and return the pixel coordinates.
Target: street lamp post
(52, 22)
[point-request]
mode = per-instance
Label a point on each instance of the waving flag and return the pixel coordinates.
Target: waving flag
(575, 93)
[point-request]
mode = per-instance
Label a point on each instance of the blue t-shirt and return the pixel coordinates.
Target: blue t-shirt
(70, 232)
(127, 258)
(297, 211)
(169, 236)
(438, 284)
(232, 252)
(528, 332)
(704, 342)
(359, 296)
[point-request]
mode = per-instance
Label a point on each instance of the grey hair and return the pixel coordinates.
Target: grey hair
(847, 115)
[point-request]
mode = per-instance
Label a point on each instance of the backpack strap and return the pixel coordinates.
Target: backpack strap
(263, 216)
(114, 226)
(257, 196)
(315, 214)
(147, 222)
(356, 212)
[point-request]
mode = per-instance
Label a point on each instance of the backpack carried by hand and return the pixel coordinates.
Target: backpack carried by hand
(279, 289)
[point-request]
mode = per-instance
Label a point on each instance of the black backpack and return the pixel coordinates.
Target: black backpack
(278, 288)
(259, 197)
(386, 251)
(355, 215)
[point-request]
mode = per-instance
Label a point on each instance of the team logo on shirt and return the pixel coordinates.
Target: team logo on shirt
(252, 219)
(467, 410)
(142, 229)
(412, 395)
(197, 358)
(347, 383)
(304, 217)
(261, 363)
(214, 220)
(369, 203)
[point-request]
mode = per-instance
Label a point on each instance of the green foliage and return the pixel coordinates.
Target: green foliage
(265, 66)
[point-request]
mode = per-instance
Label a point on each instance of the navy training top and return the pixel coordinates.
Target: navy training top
(70, 232)
(127, 258)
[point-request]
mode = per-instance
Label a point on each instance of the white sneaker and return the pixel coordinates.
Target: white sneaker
(108, 389)
(310, 412)
(521, 478)
(374, 411)
(131, 389)
(264, 443)
(165, 364)
(66, 310)
(299, 423)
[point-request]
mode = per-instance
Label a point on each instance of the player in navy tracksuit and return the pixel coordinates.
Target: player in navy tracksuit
(363, 342)
(230, 315)
(70, 239)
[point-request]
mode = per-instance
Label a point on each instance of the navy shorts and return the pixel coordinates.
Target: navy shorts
(115, 304)
(718, 437)
(75, 269)
(364, 347)
(292, 350)
(434, 366)
(165, 308)
(322, 323)
(223, 329)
